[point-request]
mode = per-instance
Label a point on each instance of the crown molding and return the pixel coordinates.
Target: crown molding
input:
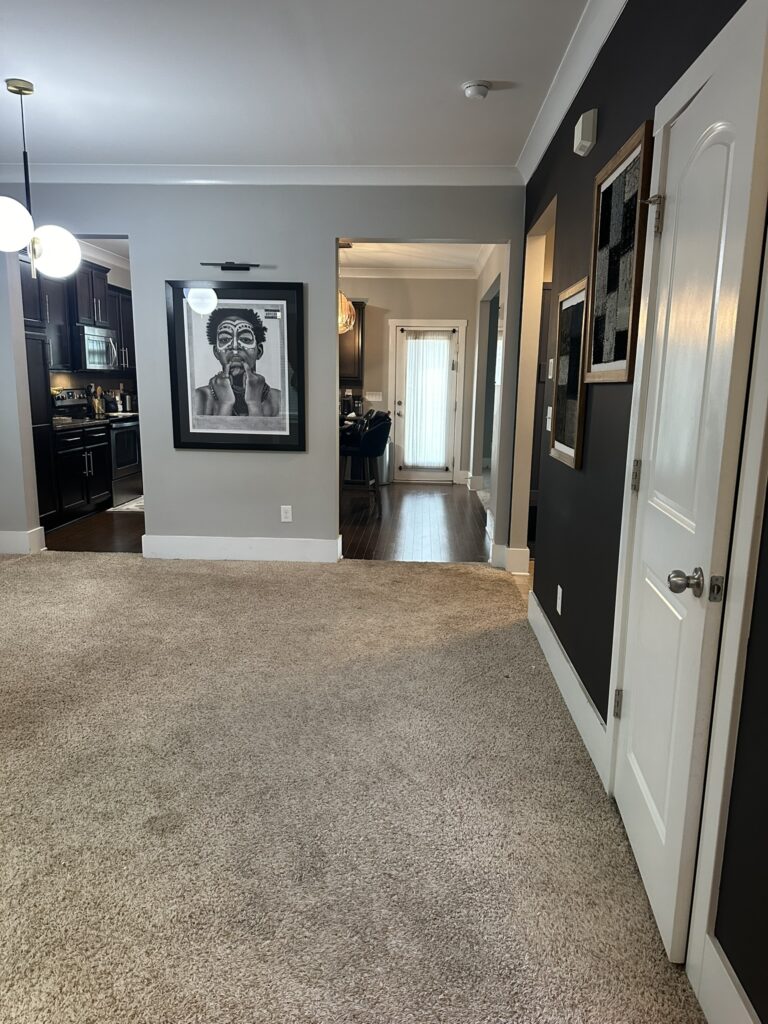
(412, 273)
(263, 174)
(94, 252)
(594, 27)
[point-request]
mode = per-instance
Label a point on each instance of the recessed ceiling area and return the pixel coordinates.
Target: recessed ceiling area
(300, 82)
(449, 259)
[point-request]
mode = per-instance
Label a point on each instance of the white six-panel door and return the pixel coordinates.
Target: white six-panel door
(698, 347)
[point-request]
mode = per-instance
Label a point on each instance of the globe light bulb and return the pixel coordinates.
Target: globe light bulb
(202, 300)
(55, 250)
(16, 225)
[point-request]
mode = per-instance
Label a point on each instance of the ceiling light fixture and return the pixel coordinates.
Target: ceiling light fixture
(477, 89)
(201, 300)
(53, 251)
(346, 314)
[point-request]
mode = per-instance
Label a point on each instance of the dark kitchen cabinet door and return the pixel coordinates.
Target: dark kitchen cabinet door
(100, 472)
(56, 313)
(84, 311)
(71, 479)
(100, 298)
(113, 307)
(42, 439)
(126, 330)
(351, 351)
(39, 384)
(30, 296)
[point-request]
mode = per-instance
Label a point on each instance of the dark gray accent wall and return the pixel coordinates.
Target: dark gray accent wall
(743, 903)
(579, 516)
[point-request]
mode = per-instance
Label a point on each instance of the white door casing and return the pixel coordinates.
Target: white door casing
(698, 326)
(398, 386)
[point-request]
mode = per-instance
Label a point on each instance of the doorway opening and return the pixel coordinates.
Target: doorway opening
(81, 360)
(410, 361)
(532, 418)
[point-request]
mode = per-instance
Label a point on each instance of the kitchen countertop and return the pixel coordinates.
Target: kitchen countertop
(60, 423)
(79, 424)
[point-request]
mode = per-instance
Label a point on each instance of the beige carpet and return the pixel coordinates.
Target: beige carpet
(241, 793)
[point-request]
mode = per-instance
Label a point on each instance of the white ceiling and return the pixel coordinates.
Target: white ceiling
(431, 259)
(287, 82)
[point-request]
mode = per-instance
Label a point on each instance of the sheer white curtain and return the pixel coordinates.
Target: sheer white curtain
(427, 374)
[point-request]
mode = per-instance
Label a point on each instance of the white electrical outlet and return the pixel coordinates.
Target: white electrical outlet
(549, 417)
(559, 603)
(286, 513)
(551, 371)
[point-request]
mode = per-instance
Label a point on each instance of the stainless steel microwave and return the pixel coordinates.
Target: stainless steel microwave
(98, 348)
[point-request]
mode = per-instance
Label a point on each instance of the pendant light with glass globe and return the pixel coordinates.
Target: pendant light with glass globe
(53, 251)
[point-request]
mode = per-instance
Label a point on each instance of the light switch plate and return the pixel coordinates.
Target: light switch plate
(286, 513)
(551, 372)
(549, 417)
(374, 396)
(559, 604)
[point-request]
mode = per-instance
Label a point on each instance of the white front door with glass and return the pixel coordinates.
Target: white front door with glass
(426, 364)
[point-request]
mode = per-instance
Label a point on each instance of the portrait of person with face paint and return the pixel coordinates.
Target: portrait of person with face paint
(236, 354)
(237, 338)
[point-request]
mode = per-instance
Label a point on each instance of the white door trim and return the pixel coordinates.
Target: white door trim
(459, 476)
(712, 978)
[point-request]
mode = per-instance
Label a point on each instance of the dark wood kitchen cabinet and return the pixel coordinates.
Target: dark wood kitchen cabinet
(56, 316)
(99, 482)
(121, 320)
(42, 433)
(31, 298)
(71, 476)
(88, 292)
(352, 351)
(45, 475)
(46, 311)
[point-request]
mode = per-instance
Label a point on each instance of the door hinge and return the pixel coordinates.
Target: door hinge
(716, 589)
(453, 364)
(618, 700)
(659, 201)
(637, 466)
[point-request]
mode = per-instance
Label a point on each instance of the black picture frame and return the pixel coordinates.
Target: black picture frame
(568, 390)
(285, 432)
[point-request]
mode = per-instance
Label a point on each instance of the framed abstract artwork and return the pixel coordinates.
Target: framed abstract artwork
(618, 243)
(568, 385)
(237, 369)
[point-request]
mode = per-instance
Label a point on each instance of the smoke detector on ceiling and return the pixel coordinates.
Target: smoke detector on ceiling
(477, 89)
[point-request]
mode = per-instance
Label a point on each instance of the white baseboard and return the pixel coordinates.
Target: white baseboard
(514, 560)
(22, 542)
(591, 727)
(461, 476)
(717, 988)
(475, 483)
(252, 549)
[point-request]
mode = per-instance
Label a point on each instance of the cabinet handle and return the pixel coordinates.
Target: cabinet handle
(90, 459)
(50, 352)
(47, 310)
(98, 303)
(85, 460)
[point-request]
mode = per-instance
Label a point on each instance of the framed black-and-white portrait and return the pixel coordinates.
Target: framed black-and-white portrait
(568, 390)
(237, 365)
(618, 243)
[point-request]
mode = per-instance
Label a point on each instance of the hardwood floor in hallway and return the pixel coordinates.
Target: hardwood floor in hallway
(105, 531)
(419, 523)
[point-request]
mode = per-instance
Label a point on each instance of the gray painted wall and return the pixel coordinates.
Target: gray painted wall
(292, 231)
(422, 299)
(18, 489)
